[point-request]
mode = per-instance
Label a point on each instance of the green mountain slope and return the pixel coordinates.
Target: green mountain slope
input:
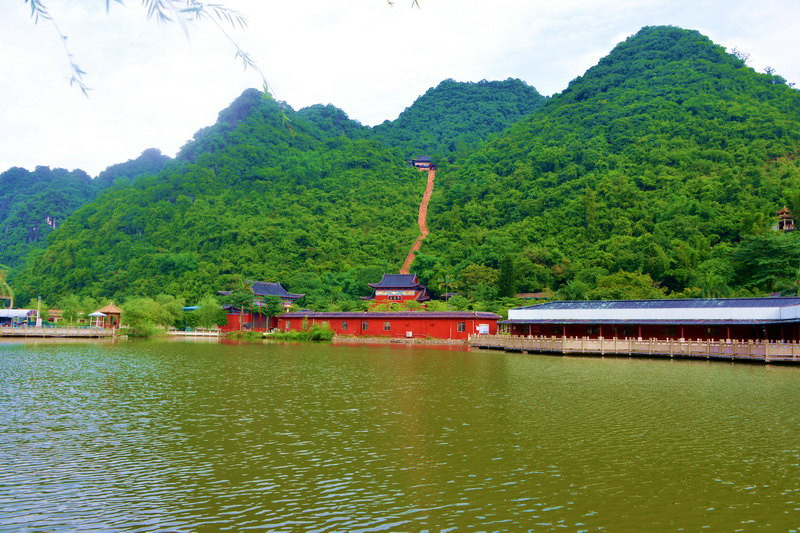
(454, 117)
(333, 121)
(667, 159)
(149, 163)
(33, 203)
(262, 193)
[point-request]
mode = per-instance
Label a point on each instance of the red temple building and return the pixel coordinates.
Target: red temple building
(255, 321)
(413, 324)
(396, 288)
(422, 163)
(399, 288)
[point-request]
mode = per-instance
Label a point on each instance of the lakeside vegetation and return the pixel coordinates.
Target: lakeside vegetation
(655, 174)
(317, 332)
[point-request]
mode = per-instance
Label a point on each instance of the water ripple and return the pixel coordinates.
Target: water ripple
(183, 437)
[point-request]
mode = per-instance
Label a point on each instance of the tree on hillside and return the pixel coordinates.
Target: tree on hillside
(270, 307)
(625, 286)
(210, 312)
(147, 316)
(6, 293)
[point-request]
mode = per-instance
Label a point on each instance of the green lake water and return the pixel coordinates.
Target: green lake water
(182, 436)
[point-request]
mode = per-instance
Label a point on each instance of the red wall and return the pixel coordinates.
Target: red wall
(251, 322)
(420, 327)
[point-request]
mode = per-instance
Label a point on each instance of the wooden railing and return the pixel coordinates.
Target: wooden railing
(765, 351)
(75, 331)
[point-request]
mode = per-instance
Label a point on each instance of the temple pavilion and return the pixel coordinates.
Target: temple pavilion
(238, 320)
(785, 220)
(398, 288)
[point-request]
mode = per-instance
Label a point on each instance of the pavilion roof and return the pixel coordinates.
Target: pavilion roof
(397, 281)
(110, 309)
(263, 288)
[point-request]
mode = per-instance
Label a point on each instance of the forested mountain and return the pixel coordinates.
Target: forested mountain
(263, 193)
(454, 117)
(333, 121)
(32, 204)
(150, 163)
(665, 162)
(656, 173)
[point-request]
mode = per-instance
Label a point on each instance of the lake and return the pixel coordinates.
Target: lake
(199, 436)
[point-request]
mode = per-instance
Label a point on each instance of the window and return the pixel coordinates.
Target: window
(558, 331)
(629, 331)
(592, 331)
(364, 325)
(344, 324)
(669, 332)
(387, 326)
(461, 326)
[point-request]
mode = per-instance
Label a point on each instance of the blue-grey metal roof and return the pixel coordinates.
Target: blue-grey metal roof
(687, 303)
(17, 313)
(650, 322)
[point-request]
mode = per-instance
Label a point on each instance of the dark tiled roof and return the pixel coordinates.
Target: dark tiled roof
(397, 281)
(708, 303)
(406, 314)
(261, 288)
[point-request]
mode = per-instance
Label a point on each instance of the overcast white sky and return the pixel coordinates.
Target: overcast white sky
(152, 86)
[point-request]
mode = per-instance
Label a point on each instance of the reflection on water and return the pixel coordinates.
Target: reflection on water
(184, 437)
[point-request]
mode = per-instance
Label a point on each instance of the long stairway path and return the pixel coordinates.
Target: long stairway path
(422, 221)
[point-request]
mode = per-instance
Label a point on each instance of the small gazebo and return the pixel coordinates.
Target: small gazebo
(111, 315)
(97, 319)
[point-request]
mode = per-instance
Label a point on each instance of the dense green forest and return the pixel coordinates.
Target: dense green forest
(249, 196)
(33, 204)
(656, 173)
(453, 118)
(310, 198)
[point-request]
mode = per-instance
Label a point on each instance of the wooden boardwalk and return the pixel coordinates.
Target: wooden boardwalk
(728, 350)
(422, 220)
(63, 332)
